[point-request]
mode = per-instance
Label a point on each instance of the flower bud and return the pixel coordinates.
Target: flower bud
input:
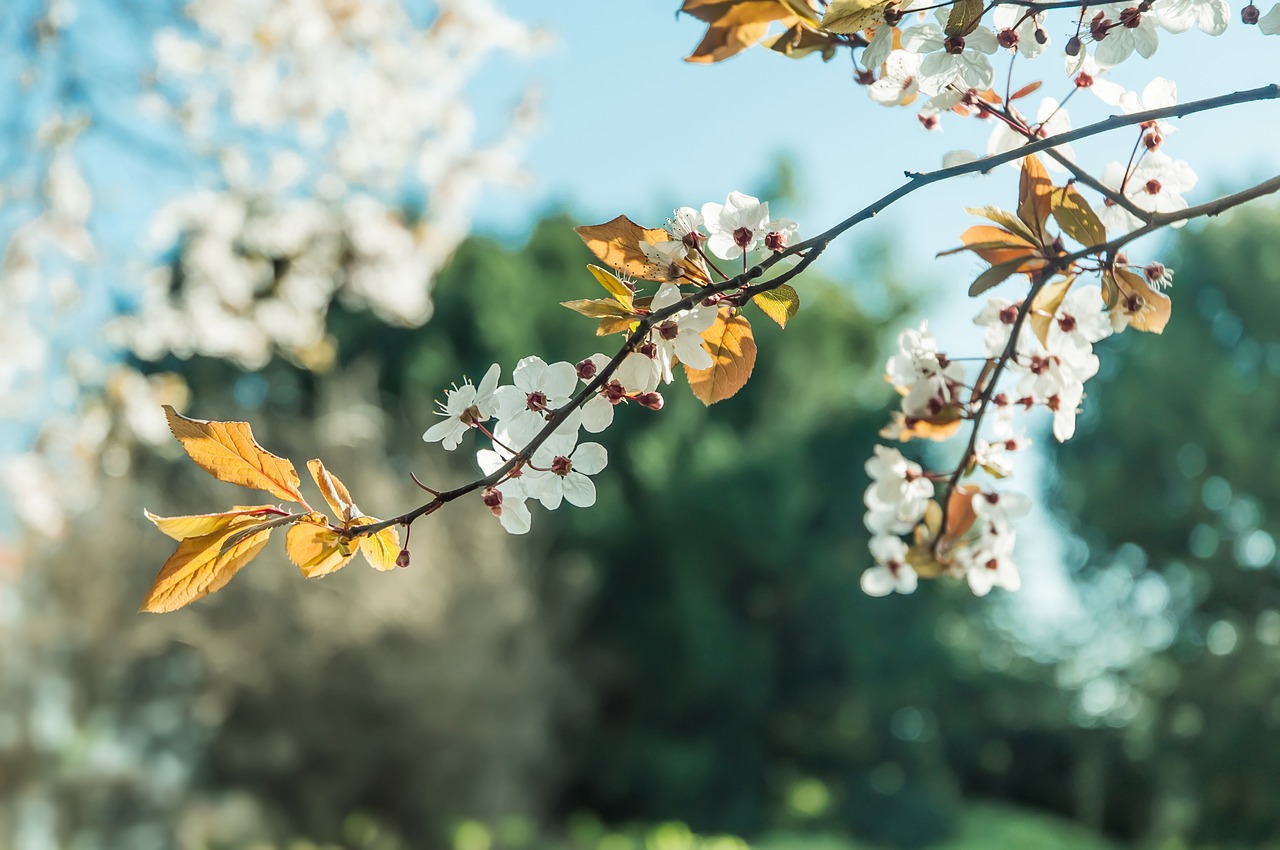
(402, 560)
(492, 499)
(775, 241)
(1042, 37)
(586, 369)
(1073, 46)
(1250, 15)
(892, 16)
(864, 77)
(651, 400)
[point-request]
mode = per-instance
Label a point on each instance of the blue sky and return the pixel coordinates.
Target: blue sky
(629, 127)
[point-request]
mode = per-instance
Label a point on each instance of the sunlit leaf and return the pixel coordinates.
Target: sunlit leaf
(316, 548)
(847, 17)
(1148, 308)
(198, 525)
(621, 293)
(1076, 218)
(722, 42)
(733, 348)
(615, 326)
(599, 308)
(381, 548)
(203, 564)
(334, 491)
(779, 304)
(1035, 196)
(228, 452)
(802, 40)
(1006, 220)
(1046, 305)
(937, 428)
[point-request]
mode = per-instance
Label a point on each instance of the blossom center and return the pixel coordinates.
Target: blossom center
(537, 400)
(668, 330)
(561, 465)
(742, 237)
(1153, 187)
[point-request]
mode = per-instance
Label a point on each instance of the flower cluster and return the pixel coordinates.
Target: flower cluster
(534, 423)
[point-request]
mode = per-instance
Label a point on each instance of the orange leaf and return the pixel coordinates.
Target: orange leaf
(198, 525)
(733, 348)
(381, 548)
(1029, 88)
(960, 513)
(1035, 191)
(334, 491)
(228, 452)
(937, 429)
(316, 548)
(202, 565)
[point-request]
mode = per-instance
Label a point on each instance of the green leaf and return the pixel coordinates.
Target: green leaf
(779, 304)
(964, 18)
(994, 276)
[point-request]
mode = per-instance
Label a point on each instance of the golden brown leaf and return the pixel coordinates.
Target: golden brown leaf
(779, 304)
(203, 564)
(733, 348)
(381, 548)
(615, 326)
(1148, 308)
(228, 452)
(334, 491)
(1035, 196)
(617, 244)
(722, 42)
(316, 548)
(960, 513)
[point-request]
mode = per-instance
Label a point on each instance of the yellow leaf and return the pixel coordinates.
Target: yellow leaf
(599, 308)
(381, 548)
(198, 525)
(316, 548)
(733, 348)
(1046, 305)
(615, 287)
(941, 427)
(779, 304)
(736, 12)
(203, 564)
(228, 452)
(334, 491)
(850, 16)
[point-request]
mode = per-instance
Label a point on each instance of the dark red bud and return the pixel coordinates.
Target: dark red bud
(1250, 14)
(864, 77)
(402, 560)
(1073, 46)
(775, 241)
(653, 401)
(586, 369)
(1042, 37)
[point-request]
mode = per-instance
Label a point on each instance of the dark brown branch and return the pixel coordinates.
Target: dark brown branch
(808, 251)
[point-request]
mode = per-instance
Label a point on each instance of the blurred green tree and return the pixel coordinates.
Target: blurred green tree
(1174, 471)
